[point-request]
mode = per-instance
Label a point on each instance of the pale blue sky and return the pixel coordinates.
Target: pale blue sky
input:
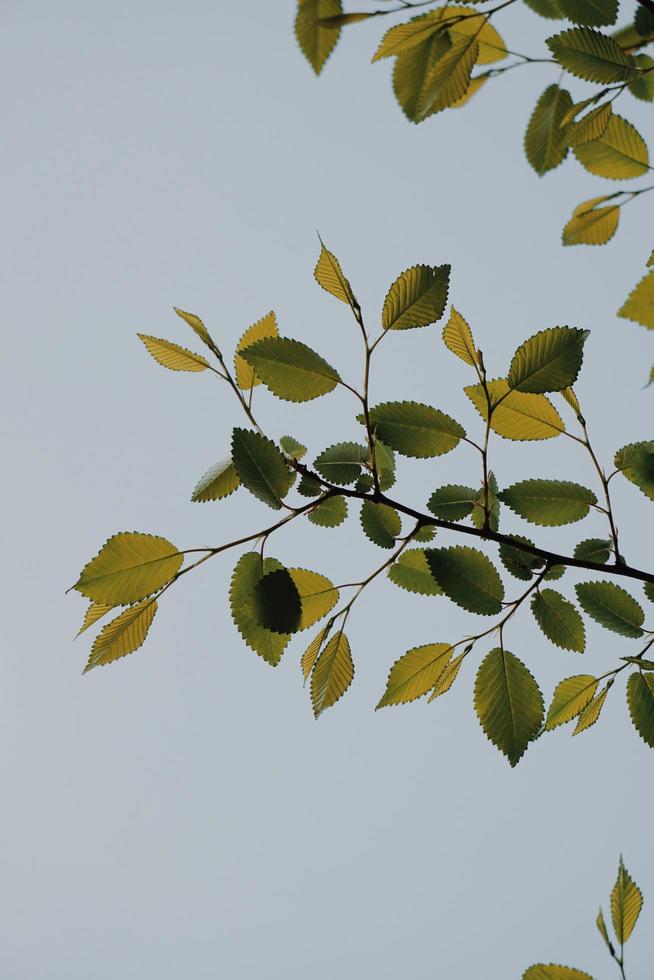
(180, 813)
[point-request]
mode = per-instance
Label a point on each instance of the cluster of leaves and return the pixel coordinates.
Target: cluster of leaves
(270, 602)
(446, 54)
(626, 903)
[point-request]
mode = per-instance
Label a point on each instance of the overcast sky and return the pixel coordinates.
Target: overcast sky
(180, 813)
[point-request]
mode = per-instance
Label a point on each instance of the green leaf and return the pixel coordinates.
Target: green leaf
(261, 467)
(342, 20)
(559, 620)
(425, 533)
(452, 502)
(548, 361)
(592, 13)
(246, 377)
(639, 305)
(626, 903)
(412, 68)
(590, 127)
(508, 703)
(449, 78)
(594, 549)
(591, 55)
(468, 578)
(380, 523)
(592, 711)
(316, 42)
(292, 447)
(612, 607)
(342, 462)
(123, 635)
(550, 503)
(519, 563)
(642, 86)
(129, 567)
(197, 326)
(590, 225)
(545, 144)
(619, 153)
(636, 462)
(546, 8)
(290, 369)
(447, 677)
(640, 698)
(332, 674)
(411, 571)
(276, 602)
(248, 572)
(309, 486)
(416, 298)
(516, 415)
(551, 971)
(329, 275)
(478, 515)
(457, 337)
(217, 483)
(415, 674)
(555, 572)
(639, 662)
(570, 698)
(416, 430)
(172, 356)
(385, 461)
(329, 513)
(318, 595)
(649, 590)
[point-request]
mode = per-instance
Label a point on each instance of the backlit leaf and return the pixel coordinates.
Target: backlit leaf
(640, 698)
(380, 523)
(318, 595)
(592, 13)
(590, 127)
(332, 674)
(601, 925)
(457, 336)
(416, 298)
(594, 549)
(129, 567)
(516, 415)
(590, 225)
(290, 369)
(452, 503)
(415, 674)
(329, 275)
(619, 153)
(310, 655)
(449, 78)
(412, 572)
(626, 903)
(612, 607)
(173, 356)
(342, 462)
(218, 482)
(549, 503)
(329, 513)
(550, 360)
(95, 612)
(545, 144)
(636, 462)
(474, 24)
(570, 698)
(447, 677)
(519, 563)
(591, 712)
(546, 8)
(248, 572)
(403, 37)
(468, 578)
(412, 68)
(265, 327)
(292, 447)
(385, 462)
(643, 85)
(261, 467)
(552, 971)
(639, 305)
(276, 602)
(508, 703)
(415, 430)
(316, 42)
(197, 326)
(559, 620)
(123, 635)
(591, 55)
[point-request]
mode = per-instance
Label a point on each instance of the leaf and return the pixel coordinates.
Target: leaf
(217, 483)
(457, 337)
(415, 430)
(640, 698)
(276, 602)
(545, 144)
(649, 590)
(309, 486)
(551, 971)
(403, 37)
(318, 595)
(415, 673)
(449, 79)
(478, 516)
(601, 925)
(261, 467)
(172, 356)
(516, 415)
(639, 662)
(636, 463)
(447, 677)
(591, 55)
(590, 225)
(474, 24)
(265, 327)
(591, 712)
(550, 503)
(290, 369)
(519, 563)
(342, 462)
(626, 903)
(508, 703)
(620, 153)
(310, 655)
(592, 13)
(590, 127)
(416, 298)
(292, 448)
(425, 533)
(248, 572)
(129, 567)
(452, 502)
(381, 524)
(197, 326)
(342, 20)
(639, 305)
(475, 84)
(316, 42)
(332, 674)
(642, 87)
(468, 578)
(594, 549)
(572, 400)
(559, 620)
(612, 607)
(385, 461)
(412, 68)
(548, 361)
(546, 8)
(570, 698)
(95, 611)
(329, 513)
(411, 572)
(329, 275)
(123, 635)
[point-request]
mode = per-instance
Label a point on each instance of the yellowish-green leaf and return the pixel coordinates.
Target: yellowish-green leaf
(381, 524)
(626, 903)
(545, 8)
(552, 971)
(123, 635)
(172, 356)
(261, 467)
(642, 87)
(447, 677)
(290, 369)
(248, 572)
(317, 595)
(197, 326)
(620, 152)
(316, 42)
(570, 698)
(590, 127)
(404, 37)
(545, 144)
(457, 337)
(449, 79)
(550, 360)
(473, 24)
(508, 703)
(311, 653)
(217, 483)
(592, 13)
(559, 620)
(639, 305)
(416, 298)
(329, 275)
(550, 503)
(292, 448)
(591, 55)
(590, 225)
(416, 430)
(342, 20)
(612, 607)
(636, 463)
(129, 567)
(603, 931)
(415, 673)
(640, 698)
(95, 612)
(572, 400)
(592, 711)
(411, 572)
(329, 513)
(332, 674)
(519, 415)
(265, 327)
(412, 68)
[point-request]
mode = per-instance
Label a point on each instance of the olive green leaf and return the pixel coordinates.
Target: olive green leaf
(248, 572)
(412, 572)
(276, 602)
(516, 415)
(559, 620)
(478, 512)
(261, 467)
(640, 699)
(381, 524)
(172, 356)
(123, 635)
(591, 225)
(342, 20)
(332, 674)
(468, 578)
(449, 78)
(612, 607)
(594, 549)
(639, 305)
(552, 971)
(130, 566)
(329, 275)
(403, 37)
(642, 87)
(416, 430)
(636, 462)
(318, 595)
(457, 337)
(309, 486)
(197, 326)
(95, 611)
(649, 590)
(385, 462)
(468, 22)
(592, 711)
(545, 144)
(415, 673)
(508, 703)
(626, 903)
(550, 503)
(265, 327)
(217, 483)
(620, 152)
(412, 68)
(452, 502)
(591, 55)
(425, 533)
(329, 513)
(572, 400)
(546, 8)
(590, 127)
(290, 369)
(601, 925)
(591, 13)
(342, 462)
(570, 698)
(548, 361)
(519, 563)
(292, 448)
(416, 298)
(310, 655)
(447, 676)
(555, 572)
(316, 42)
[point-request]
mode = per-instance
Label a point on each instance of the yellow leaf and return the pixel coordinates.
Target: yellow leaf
(310, 654)
(196, 324)
(491, 45)
(332, 674)
(317, 595)
(639, 305)
(519, 415)
(265, 327)
(329, 275)
(95, 612)
(129, 567)
(591, 712)
(173, 356)
(457, 336)
(590, 225)
(316, 42)
(621, 152)
(626, 903)
(449, 79)
(415, 673)
(447, 678)
(123, 635)
(408, 35)
(572, 400)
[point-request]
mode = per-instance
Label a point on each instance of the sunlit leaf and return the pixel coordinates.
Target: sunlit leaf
(342, 462)
(472, 23)
(590, 225)
(316, 42)
(172, 356)
(290, 369)
(329, 275)
(636, 463)
(570, 698)
(332, 674)
(626, 903)
(590, 127)
(550, 503)
(412, 68)
(416, 430)
(385, 461)
(416, 298)
(317, 593)
(639, 305)
(415, 673)
(516, 415)
(619, 153)
(591, 55)
(601, 925)
(197, 326)
(559, 620)
(508, 703)
(403, 37)
(95, 612)
(452, 502)
(329, 513)
(640, 698)
(612, 607)
(468, 578)
(643, 85)
(552, 971)
(449, 78)
(550, 360)
(123, 635)
(292, 448)
(381, 524)
(261, 467)
(412, 572)
(545, 144)
(591, 712)
(248, 572)
(310, 655)
(457, 336)
(447, 677)
(265, 327)
(546, 8)
(218, 482)
(129, 567)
